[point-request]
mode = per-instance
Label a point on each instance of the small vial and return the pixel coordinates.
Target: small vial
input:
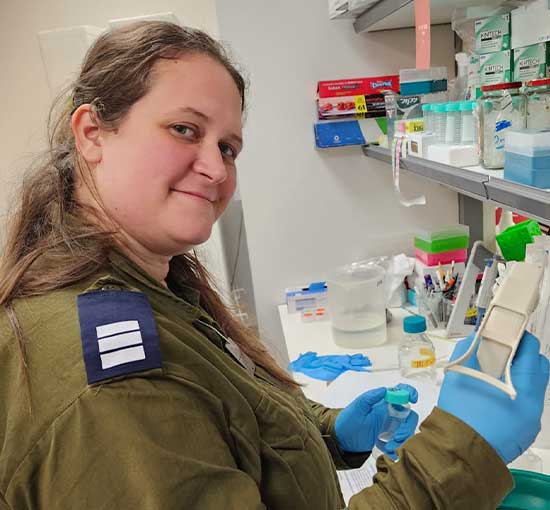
(398, 409)
(453, 128)
(439, 121)
(416, 351)
(427, 115)
(468, 135)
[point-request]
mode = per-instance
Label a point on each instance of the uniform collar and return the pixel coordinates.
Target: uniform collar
(176, 282)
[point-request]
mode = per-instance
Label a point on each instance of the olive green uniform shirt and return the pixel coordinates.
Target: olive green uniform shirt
(201, 432)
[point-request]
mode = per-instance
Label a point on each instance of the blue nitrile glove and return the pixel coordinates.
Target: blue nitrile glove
(328, 368)
(358, 425)
(509, 426)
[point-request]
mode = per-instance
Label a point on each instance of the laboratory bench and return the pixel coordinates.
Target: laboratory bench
(317, 336)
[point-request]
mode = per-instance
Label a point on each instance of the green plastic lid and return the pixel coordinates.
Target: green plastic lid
(467, 106)
(439, 108)
(427, 107)
(396, 396)
(513, 240)
(531, 492)
(452, 107)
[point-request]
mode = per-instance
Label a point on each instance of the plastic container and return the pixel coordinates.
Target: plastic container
(416, 351)
(439, 121)
(501, 108)
(453, 128)
(468, 134)
(531, 492)
(448, 238)
(444, 257)
(398, 409)
(538, 104)
(427, 115)
(527, 157)
(513, 240)
(357, 305)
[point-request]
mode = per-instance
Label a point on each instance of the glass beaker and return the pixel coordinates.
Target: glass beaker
(357, 305)
(501, 108)
(538, 104)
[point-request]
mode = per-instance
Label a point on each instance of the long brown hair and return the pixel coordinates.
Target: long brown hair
(50, 243)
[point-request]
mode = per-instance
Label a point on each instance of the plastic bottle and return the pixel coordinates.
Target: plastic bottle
(468, 123)
(427, 115)
(416, 351)
(438, 122)
(398, 409)
(453, 128)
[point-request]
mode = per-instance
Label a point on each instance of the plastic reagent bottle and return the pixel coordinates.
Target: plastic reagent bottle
(398, 410)
(416, 351)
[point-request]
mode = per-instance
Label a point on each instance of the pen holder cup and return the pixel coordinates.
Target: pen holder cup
(436, 309)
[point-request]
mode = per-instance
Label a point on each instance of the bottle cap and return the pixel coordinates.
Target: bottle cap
(467, 106)
(452, 107)
(414, 324)
(501, 86)
(427, 107)
(538, 83)
(397, 396)
(440, 108)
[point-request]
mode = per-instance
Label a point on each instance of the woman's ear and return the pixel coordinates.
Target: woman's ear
(87, 134)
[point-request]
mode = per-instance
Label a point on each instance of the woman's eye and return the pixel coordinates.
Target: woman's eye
(185, 131)
(228, 151)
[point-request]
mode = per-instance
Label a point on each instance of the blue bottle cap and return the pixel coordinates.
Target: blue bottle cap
(414, 324)
(395, 396)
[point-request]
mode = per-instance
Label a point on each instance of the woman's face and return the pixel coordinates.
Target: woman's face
(168, 172)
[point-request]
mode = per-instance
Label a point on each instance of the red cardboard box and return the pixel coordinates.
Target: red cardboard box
(355, 98)
(357, 86)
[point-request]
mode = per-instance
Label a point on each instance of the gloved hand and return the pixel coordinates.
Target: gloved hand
(358, 425)
(509, 426)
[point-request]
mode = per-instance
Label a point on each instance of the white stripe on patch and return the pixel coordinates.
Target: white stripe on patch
(118, 341)
(116, 327)
(115, 358)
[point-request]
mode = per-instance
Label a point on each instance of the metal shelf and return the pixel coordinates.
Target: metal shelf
(532, 202)
(392, 14)
(461, 180)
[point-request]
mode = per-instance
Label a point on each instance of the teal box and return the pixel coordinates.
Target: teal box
(492, 34)
(496, 67)
(532, 62)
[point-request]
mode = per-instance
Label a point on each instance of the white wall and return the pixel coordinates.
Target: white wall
(308, 211)
(24, 95)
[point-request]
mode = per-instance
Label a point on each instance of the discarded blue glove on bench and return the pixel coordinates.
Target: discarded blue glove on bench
(328, 368)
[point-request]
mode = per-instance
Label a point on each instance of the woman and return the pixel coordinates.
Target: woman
(126, 383)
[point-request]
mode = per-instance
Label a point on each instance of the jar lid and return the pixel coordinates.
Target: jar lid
(466, 106)
(501, 86)
(414, 324)
(396, 396)
(538, 83)
(452, 107)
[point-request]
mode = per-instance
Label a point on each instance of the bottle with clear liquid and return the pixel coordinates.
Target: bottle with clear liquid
(416, 351)
(398, 410)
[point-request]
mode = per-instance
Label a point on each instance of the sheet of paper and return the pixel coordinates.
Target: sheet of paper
(353, 481)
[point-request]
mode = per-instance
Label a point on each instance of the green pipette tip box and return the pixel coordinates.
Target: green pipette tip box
(442, 245)
(513, 240)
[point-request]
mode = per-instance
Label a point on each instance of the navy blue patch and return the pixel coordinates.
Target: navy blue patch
(119, 334)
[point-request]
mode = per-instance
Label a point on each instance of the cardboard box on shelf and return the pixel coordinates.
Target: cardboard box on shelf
(496, 67)
(531, 24)
(349, 132)
(492, 34)
(532, 62)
